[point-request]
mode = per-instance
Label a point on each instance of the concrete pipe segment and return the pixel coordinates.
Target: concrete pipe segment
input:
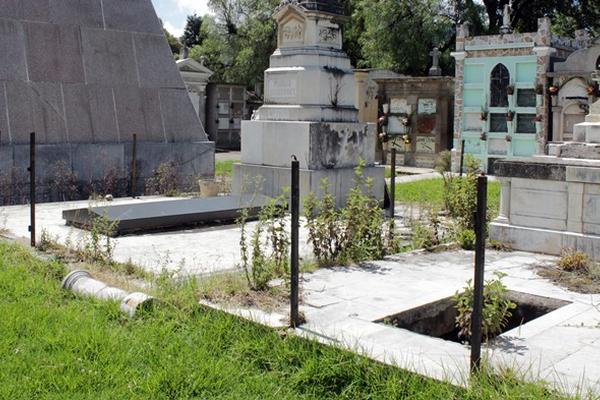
(82, 283)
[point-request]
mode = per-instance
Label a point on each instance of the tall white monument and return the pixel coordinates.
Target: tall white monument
(309, 110)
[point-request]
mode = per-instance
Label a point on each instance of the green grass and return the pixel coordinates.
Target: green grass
(430, 193)
(224, 168)
(54, 345)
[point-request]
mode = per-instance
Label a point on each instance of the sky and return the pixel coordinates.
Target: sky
(174, 12)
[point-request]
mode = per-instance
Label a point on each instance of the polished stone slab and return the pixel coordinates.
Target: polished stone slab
(160, 215)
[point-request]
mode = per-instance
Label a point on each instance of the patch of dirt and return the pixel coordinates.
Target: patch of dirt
(586, 282)
(269, 301)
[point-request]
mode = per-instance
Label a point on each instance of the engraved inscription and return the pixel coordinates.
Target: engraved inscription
(282, 88)
(425, 144)
(427, 106)
(400, 106)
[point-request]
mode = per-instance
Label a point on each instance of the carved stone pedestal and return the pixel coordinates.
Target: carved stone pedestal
(309, 110)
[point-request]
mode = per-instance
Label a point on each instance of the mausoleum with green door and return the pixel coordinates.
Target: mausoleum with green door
(502, 92)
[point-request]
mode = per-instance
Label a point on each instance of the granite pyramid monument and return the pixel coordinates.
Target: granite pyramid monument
(86, 75)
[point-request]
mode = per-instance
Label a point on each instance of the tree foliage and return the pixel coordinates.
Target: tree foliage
(174, 44)
(399, 35)
(192, 33)
(567, 15)
(238, 40)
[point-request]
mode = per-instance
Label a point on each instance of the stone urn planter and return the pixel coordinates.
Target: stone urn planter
(208, 187)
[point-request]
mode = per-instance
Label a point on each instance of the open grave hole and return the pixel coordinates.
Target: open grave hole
(438, 319)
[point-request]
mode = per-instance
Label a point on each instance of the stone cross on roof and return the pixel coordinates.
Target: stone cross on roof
(435, 69)
(505, 28)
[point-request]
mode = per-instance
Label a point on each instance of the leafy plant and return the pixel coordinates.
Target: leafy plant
(460, 193)
(497, 308)
(354, 233)
(466, 238)
(572, 260)
(165, 180)
(46, 242)
(265, 251)
(98, 246)
(63, 181)
(423, 236)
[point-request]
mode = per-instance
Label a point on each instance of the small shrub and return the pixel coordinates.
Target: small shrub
(165, 180)
(572, 260)
(423, 236)
(460, 193)
(499, 246)
(325, 226)
(497, 308)
(355, 233)
(268, 245)
(98, 246)
(63, 181)
(466, 239)
(47, 242)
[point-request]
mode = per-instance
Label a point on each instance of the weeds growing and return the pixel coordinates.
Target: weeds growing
(355, 233)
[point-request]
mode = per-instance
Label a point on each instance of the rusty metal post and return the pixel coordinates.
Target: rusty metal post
(480, 236)
(295, 267)
(392, 209)
(134, 166)
(462, 156)
(32, 188)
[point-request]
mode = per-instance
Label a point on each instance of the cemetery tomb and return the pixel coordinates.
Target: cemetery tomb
(309, 110)
(425, 103)
(552, 202)
(501, 103)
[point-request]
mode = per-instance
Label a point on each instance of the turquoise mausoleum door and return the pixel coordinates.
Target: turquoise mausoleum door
(499, 108)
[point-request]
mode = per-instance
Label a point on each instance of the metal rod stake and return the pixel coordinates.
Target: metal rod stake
(32, 189)
(480, 236)
(462, 156)
(295, 268)
(392, 209)
(134, 166)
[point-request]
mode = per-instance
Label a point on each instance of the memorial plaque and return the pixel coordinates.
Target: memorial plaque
(282, 88)
(427, 106)
(425, 144)
(396, 126)
(223, 107)
(473, 122)
(223, 123)
(400, 106)
(426, 123)
(424, 161)
(497, 147)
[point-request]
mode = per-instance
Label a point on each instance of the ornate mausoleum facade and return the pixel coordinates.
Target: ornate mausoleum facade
(503, 91)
